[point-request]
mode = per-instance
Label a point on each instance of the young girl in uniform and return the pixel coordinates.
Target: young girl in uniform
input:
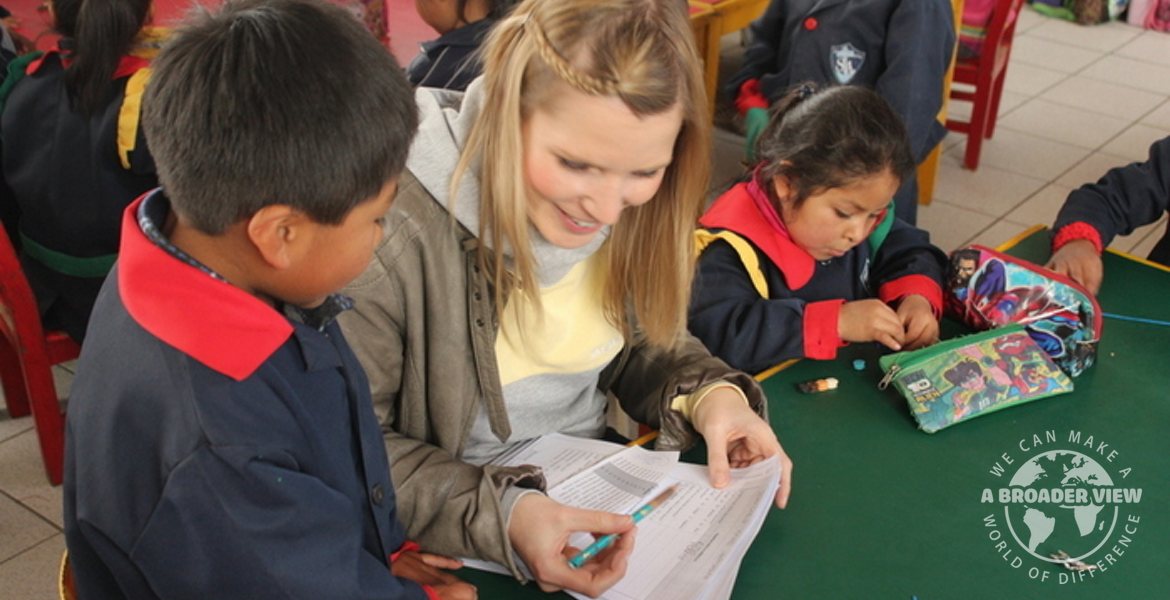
(73, 154)
(804, 256)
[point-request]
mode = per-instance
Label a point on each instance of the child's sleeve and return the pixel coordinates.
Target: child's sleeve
(761, 54)
(920, 40)
(751, 332)
(908, 264)
(1124, 199)
(246, 522)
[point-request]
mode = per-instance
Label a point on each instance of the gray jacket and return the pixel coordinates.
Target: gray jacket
(425, 328)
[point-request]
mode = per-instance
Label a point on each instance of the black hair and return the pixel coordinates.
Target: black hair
(823, 138)
(966, 254)
(276, 102)
(496, 9)
(97, 33)
(962, 372)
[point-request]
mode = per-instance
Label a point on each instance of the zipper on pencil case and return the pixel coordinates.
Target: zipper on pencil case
(895, 363)
(1098, 319)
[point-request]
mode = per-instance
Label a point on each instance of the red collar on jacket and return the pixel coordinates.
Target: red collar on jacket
(216, 323)
(127, 65)
(746, 209)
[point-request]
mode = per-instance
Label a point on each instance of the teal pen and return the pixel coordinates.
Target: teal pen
(607, 540)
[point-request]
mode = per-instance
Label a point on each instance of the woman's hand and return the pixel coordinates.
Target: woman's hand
(427, 569)
(918, 319)
(539, 530)
(737, 437)
(1080, 261)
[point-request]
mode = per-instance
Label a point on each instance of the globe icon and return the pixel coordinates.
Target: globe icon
(1043, 528)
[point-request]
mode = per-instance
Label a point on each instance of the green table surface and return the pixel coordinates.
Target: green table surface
(880, 509)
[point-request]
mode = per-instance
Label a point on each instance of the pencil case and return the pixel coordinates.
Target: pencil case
(971, 376)
(988, 289)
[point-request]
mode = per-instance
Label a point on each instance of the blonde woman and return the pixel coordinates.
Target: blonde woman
(539, 257)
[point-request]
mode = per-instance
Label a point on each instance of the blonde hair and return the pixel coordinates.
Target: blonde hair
(642, 52)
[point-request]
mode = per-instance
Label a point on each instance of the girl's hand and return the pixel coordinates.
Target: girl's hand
(737, 437)
(1079, 260)
(539, 530)
(921, 326)
(427, 569)
(870, 321)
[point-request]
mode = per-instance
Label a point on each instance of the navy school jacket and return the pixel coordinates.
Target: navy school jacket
(899, 48)
(67, 177)
(217, 449)
(1124, 199)
(450, 61)
(760, 299)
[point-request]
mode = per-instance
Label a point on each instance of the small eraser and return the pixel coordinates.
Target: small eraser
(818, 385)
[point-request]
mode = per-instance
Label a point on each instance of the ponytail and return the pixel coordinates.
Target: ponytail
(100, 33)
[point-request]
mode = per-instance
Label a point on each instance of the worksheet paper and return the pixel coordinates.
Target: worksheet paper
(690, 546)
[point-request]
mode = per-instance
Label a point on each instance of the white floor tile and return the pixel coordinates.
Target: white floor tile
(1134, 143)
(1025, 154)
(20, 529)
(10, 428)
(988, 190)
(1042, 207)
(1050, 55)
(1008, 101)
(34, 573)
(1104, 38)
(1064, 124)
(1159, 117)
(1150, 46)
(1103, 97)
(24, 479)
(1130, 72)
(1091, 169)
(1028, 20)
(998, 233)
(1030, 80)
(950, 225)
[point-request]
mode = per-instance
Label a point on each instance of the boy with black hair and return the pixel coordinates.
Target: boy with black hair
(221, 439)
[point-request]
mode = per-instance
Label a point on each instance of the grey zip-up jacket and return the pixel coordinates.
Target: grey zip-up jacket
(424, 328)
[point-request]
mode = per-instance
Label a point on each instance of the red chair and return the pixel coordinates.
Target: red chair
(986, 73)
(26, 354)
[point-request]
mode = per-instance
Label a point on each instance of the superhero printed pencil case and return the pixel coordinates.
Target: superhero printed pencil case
(987, 289)
(974, 375)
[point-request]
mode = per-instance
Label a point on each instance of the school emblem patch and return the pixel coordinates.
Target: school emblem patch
(847, 60)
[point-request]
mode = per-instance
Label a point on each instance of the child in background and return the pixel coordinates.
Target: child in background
(73, 154)
(451, 61)
(805, 255)
(1123, 199)
(900, 48)
(221, 442)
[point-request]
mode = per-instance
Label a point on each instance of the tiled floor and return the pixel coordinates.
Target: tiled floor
(1077, 101)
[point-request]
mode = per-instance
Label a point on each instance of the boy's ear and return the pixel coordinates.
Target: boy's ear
(276, 232)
